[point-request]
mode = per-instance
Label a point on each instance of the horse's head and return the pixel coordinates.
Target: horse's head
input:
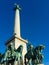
(11, 46)
(30, 47)
(20, 49)
(40, 47)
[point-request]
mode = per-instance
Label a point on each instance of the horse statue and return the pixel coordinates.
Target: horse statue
(29, 54)
(38, 54)
(13, 54)
(34, 55)
(7, 56)
(18, 55)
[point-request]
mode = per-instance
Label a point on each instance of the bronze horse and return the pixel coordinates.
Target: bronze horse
(13, 54)
(34, 55)
(38, 54)
(29, 54)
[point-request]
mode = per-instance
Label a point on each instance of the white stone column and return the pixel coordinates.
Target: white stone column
(17, 21)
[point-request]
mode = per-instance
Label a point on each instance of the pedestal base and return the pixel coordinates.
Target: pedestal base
(40, 64)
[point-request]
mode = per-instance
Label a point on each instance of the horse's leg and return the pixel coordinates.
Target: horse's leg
(18, 61)
(30, 62)
(25, 61)
(40, 59)
(21, 61)
(12, 62)
(5, 63)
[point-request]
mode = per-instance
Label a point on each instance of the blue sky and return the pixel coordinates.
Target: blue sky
(34, 18)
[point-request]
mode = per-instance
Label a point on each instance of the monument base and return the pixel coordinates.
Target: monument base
(40, 64)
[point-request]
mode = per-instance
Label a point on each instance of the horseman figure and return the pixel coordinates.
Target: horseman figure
(38, 54)
(29, 54)
(34, 55)
(13, 54)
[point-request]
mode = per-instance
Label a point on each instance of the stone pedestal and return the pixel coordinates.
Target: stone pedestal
(40, 64)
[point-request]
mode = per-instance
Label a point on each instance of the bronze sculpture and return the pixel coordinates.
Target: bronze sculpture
(38, 54)
(34, 55)
(29, 54)
(12, 54)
